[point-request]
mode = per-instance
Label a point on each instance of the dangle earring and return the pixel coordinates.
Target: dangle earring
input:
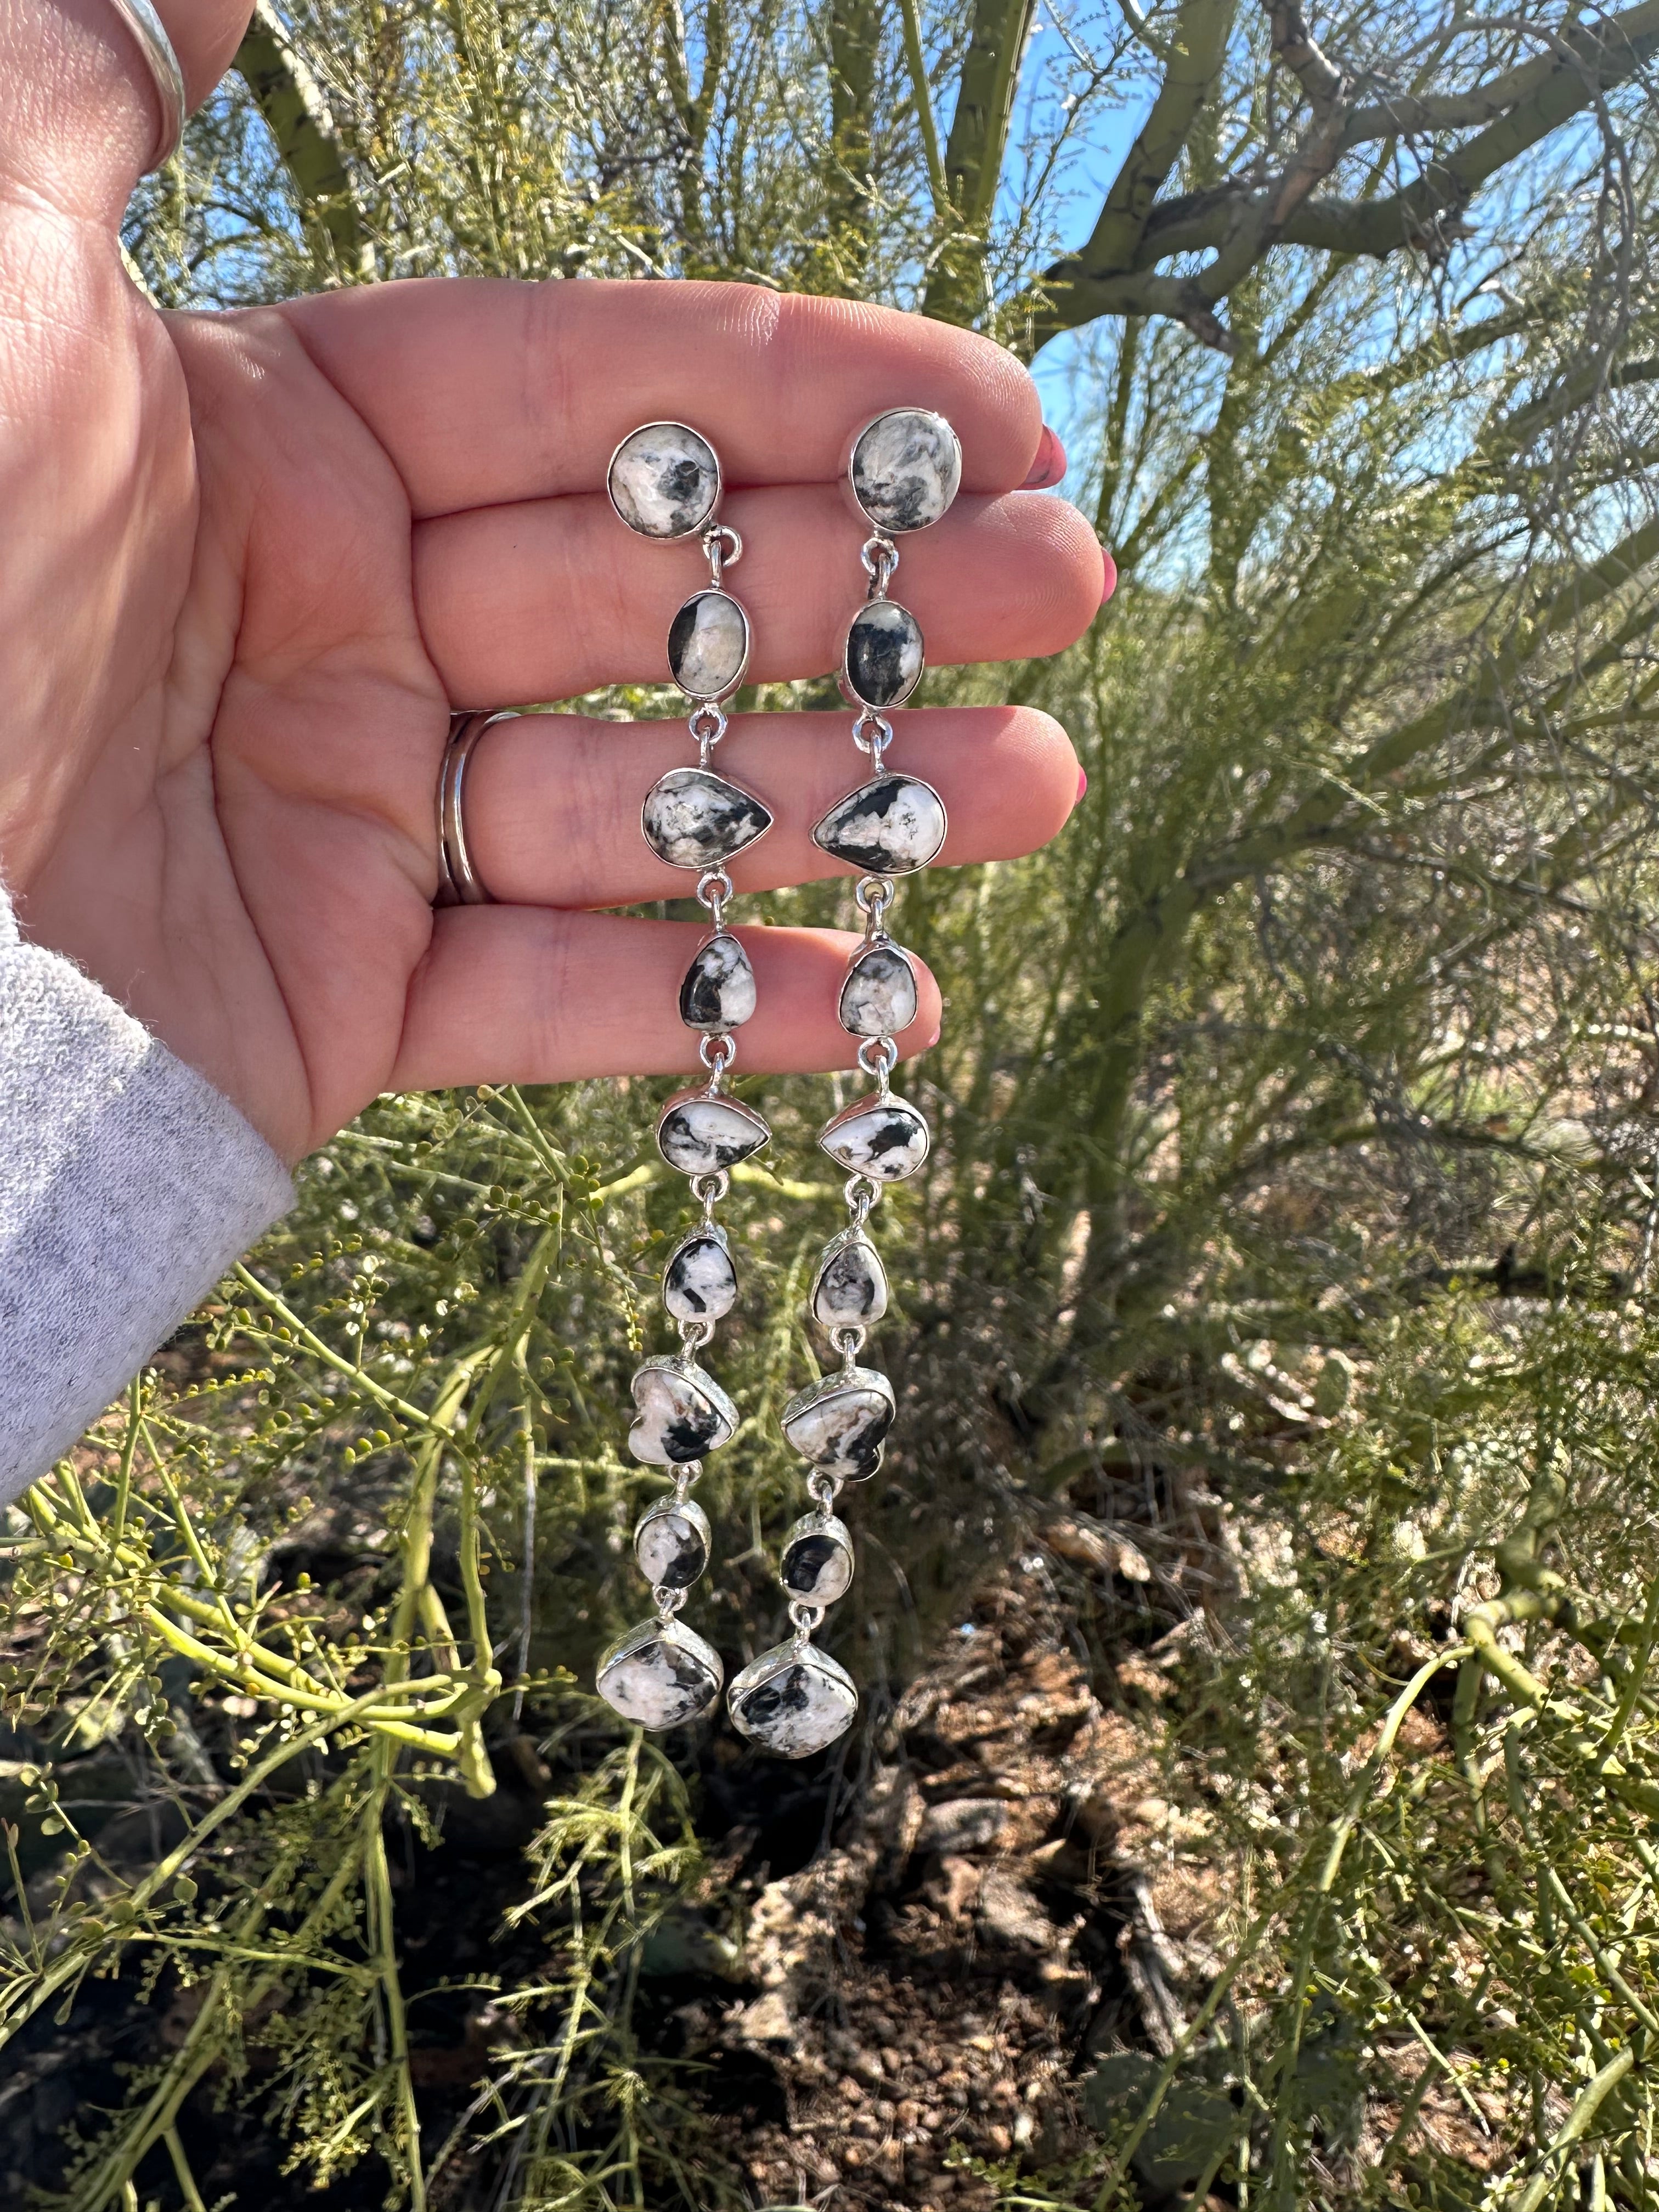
(665, 484)
(904, 469)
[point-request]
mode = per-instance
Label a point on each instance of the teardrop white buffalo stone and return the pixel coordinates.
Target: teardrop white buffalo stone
(672, 1544)
(888, 828)
(817, 1560)
(683, 1414)
(793, 1703)
(839, 1424)
(906, 469)
(883, 1138)
(719, 990)
(708, 645)
(700, 1135)
(851, 1289)
(879, 997)
(693, 818)
(664, 480)
(883, 661)
(700, 1283)
(661, 1675)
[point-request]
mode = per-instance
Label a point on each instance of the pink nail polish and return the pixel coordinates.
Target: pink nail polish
(1109, 581)
(1049, 466)
(933, 1040)
(1082, 786)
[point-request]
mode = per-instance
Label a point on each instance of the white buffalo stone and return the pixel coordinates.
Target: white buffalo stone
(708, 645)
(700, 1283)
(851, 1289)
(886, 1139)
(879, 997)
(888, 828)
(693, 818)
(719, 990)
(793, 1702)
(664, 480)
(683, 1414)
(660, 1675)
(907, 469)
(839, 1424)
(700, 1135)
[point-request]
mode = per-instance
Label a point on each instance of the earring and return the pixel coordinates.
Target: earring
(665, 484)
(904, 471)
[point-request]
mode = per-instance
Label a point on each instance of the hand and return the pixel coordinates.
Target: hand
(252, 561)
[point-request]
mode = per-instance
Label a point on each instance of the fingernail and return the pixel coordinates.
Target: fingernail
(1109, 581)
(1049, 466)
(1082, 786)
(933, 1040)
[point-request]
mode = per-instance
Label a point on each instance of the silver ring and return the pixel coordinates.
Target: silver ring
(162, 63)
(459, 881)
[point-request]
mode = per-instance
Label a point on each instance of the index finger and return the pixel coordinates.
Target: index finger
(482, 390)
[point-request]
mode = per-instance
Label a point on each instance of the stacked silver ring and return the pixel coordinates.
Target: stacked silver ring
(459, 882)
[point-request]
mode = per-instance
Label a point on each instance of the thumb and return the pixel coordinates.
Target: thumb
(80, 113)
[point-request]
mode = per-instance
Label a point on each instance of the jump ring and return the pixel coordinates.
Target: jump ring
(717, 1054)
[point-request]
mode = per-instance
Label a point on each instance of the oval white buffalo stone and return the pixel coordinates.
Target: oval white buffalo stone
(683, 1414)
(793, 1703)
(879, 997)
(708, 645)
(693, 818)
(661, 1675)
(719, 990)
(851, 1288)
(664, 481)
(672, 1543)
(886, 1139)
(700, 1135)
(883, 662)
(888, 828)
(839, 1424)
(817, 1560)
(700, 1283)
(906, 469)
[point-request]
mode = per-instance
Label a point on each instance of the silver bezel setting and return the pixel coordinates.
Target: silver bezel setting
(832, 1252)
(887, 776)
(841, 1540)
(867, 1104)
(706, 1386)
(698, 867)
(844, 676)
(843, 1381)
(857, 440)
(678, 1638)
(714, 698)
(711, 1232)
(679, 536)
(769, 1665)
(667, 1508)
(700, 1093)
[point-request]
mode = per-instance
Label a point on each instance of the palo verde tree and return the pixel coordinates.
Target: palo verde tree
(1297, 1112)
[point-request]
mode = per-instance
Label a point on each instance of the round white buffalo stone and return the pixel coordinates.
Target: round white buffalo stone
(708, 646)
(693, 818)
(660, 1675)
(851, 1289)
(886, 1139)
(718, 991)
(883, 657)
(878, 997)
(664, 481)
(793, 1702)
(683, 1414)
(817, 1560)
(906, 469)
(700, 1135)
(700, 1283)
(672, 1544)
(839, 1424)
(888, 828)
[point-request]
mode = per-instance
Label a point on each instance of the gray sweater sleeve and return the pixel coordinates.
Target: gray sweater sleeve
(128, 1184)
